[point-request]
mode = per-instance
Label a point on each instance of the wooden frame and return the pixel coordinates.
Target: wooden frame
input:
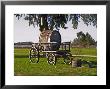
(4, 3)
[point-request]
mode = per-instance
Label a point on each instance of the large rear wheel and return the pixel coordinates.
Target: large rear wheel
(51, 58)
(34, 56)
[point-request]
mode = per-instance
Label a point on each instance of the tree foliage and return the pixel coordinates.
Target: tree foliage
(51, 21)
(84, 40)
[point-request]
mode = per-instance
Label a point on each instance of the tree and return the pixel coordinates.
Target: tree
(90, 40)
(51, 21)
(84, 40)
(81, 38)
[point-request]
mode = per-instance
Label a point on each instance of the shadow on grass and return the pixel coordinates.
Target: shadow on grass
(90, 64)
(21, 56)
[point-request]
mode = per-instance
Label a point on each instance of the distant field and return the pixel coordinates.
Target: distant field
(22, 66)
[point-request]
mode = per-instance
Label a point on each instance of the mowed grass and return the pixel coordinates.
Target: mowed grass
(84, 51)
(23, 67)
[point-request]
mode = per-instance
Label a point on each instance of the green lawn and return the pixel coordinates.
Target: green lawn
(84, 51)
(22, 66)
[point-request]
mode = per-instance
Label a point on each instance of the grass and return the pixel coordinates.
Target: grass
(84, 51)
(23, 67)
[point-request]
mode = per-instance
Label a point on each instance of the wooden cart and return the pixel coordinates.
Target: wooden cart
(39, 50)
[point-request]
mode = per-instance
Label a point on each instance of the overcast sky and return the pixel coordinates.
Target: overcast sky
(23, 32)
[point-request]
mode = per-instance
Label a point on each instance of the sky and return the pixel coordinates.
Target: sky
(25, 33)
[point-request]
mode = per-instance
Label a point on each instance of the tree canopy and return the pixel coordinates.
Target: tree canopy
(51, 21)
(84, 40)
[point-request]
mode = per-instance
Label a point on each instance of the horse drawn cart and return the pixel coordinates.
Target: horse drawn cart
(50, 51)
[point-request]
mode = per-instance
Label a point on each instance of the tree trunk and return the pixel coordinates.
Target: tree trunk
(45, 32)
(44, 37)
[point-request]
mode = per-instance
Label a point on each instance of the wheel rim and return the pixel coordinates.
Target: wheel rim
(34, 60)
(34, 56)
(51, 59)
(67, 59)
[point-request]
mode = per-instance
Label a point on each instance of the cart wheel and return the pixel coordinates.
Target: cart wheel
(51, 59)
(34, 56)
(41, 48)
(67, 59)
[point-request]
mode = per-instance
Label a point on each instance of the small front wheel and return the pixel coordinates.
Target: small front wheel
(51, 58)
(67, 59)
